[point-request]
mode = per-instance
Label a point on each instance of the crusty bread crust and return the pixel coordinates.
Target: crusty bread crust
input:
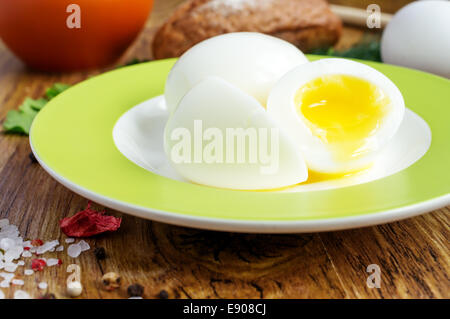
(308, 24)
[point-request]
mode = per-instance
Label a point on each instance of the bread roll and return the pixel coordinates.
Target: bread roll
(308, 24)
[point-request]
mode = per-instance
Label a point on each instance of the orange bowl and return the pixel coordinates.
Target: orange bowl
(53, 36)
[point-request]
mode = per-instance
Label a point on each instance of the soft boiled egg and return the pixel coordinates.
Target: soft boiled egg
(221, 136)
(253, 62)
(340, 113)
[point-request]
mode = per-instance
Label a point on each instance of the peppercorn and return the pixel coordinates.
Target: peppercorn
(163, 294)
(32, 158)
(48, 296)
(111, 281)
(135, 290)
(100, 253)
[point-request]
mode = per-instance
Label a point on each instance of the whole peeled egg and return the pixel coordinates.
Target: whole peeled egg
(252, 62)
(338, 112)
(418, 36)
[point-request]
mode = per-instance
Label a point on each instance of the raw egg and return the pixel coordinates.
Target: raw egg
(418, 36)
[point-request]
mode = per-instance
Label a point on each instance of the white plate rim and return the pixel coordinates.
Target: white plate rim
(250, 226)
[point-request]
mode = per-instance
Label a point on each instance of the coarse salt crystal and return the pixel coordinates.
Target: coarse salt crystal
(13, 253)
(4, 222)
(69, 240)
(52, 262)
(2, 295)
(20, 294)
(17, 282)
(28, 272)
(10, 267)
(6, 279)
(9, 231)
(6, 244)
(84, 245)
(6, 276)
(47, 247)
(74, 250)
(13, 247)
(42, 285)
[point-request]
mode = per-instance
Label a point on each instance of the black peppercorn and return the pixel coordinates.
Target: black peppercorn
(135, 290)
(100, 253)
(163, 294)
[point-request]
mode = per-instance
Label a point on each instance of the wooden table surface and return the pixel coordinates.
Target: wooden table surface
(413, 254)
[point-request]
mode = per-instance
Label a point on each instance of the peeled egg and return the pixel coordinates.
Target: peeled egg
(418, 36)
(339, 113)
(253, 62)
(216, 127)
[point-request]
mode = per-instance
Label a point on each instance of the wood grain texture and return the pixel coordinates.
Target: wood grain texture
(188, 263)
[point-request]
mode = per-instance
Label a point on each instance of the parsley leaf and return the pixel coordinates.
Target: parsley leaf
(36, 104)
(133, 62)
(19, 121)
(30, 106)
(56, 89)
(366, 50)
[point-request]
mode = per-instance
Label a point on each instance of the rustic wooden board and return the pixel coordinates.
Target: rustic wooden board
(187, 263)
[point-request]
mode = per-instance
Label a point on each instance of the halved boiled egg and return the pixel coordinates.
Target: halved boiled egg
(253, 62)
(340, 113)
(221, 136)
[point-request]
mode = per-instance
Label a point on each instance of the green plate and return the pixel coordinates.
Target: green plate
(72, 139)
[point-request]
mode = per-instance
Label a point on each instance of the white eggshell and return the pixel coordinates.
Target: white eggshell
(418, 36)
(222, 106)
(318, 155)
(251, 61)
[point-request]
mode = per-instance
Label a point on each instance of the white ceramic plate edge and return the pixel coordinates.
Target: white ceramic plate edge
(247, 226)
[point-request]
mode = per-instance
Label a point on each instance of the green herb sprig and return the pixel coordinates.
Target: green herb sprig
(19, 121)
(365, 51)
(132, 62)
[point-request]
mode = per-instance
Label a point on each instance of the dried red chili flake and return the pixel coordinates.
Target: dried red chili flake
(59, 262)
(89, 222)
(37, 242)
(26, 248)
(38, 264)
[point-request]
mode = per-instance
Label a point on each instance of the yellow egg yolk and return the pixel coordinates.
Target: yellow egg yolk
(317, 177)
(343, 111)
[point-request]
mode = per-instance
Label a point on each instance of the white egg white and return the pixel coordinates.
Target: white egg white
(221, 105)
(318, 154)
(251, 61)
